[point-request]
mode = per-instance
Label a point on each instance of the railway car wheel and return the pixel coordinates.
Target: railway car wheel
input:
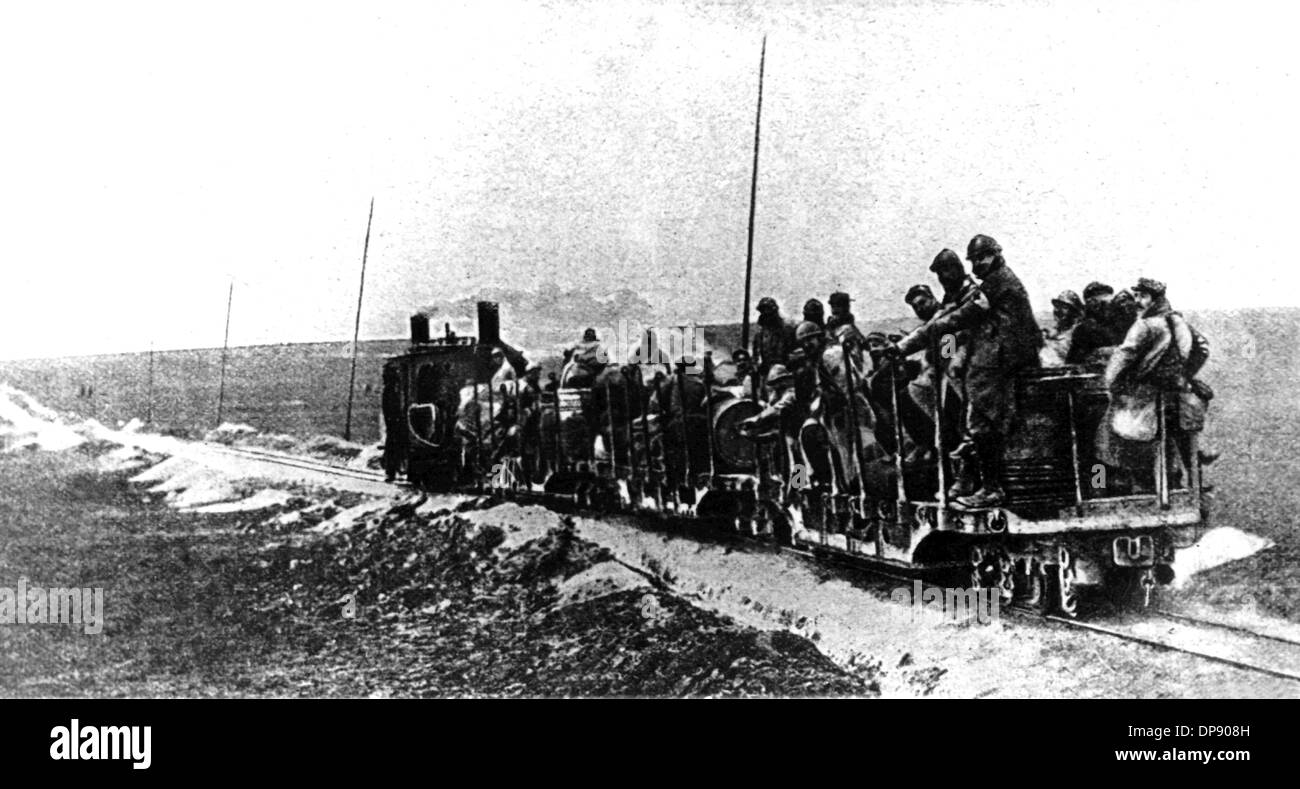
(1030, 587)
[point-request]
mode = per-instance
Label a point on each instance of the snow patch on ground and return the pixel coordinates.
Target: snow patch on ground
(26, 424)
(1217, 546)
(122, 459)
(370, 458)
(261, 500)
(203, 489)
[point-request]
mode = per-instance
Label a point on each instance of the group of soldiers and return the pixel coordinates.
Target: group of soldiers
(851, 406)
(822, 376)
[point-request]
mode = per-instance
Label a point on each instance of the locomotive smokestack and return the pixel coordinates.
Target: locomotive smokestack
(419, 328)
(489, 323)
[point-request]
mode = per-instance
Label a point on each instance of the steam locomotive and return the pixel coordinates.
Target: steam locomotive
(647, 437)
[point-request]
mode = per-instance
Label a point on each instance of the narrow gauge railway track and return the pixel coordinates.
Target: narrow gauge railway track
(1225, 626)
(1241, 649)
(305, 464)
(1218, 642)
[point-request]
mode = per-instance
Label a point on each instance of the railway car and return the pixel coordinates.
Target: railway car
(668, 440)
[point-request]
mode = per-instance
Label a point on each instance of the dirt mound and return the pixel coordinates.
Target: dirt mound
(485, 607)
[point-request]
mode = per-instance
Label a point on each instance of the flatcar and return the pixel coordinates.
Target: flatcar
(667, 439)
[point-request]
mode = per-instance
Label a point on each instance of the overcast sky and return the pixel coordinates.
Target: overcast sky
(151, 152)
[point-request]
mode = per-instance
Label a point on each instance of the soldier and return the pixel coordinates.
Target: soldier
(1004, 341)
(584, 360)
(922, 389)
(1124, 311)
(1162, 353)
(958, 286)
(395, 431)
(917, 423)
(822, 387)
(502, 371)
(683, 423)
(1093, 330)
(782, 406)
(843, 327)
(814, 313)
(1067, 311)
(742, 377)
(876, 342)
(783, 411)
(773, 339)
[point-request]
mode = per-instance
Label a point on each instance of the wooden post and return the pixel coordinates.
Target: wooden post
(356, 331)
(753, 199)
(225, 348)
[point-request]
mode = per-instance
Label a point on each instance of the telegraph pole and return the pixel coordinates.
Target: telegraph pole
(356, 331)
(149, 412)
(753, 199)
(225, 349)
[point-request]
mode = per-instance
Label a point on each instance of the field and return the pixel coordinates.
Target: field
(296, 389)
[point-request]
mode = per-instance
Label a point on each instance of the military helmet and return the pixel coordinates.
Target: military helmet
(807, 330)
(1069, 299)
(840, 299)
(767, 304)
(946, 259)
(918, 290)
(779, 373)
(1152, 286)
(1096, 289)
(982, 246)
(813, 307)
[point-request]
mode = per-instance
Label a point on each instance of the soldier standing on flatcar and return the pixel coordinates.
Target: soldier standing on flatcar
(773, 339)
(842, 326)
(822, 387)
(1067, 311)
(502, 370)
(958, 289)
(782, 411)
(584, 361)
(918, 423)
(922, 389)
(530, 418)
(1094, 328)
(1124, 311)
(813, 312)
(1005, 339)
(958, 286)
(1162, 353)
